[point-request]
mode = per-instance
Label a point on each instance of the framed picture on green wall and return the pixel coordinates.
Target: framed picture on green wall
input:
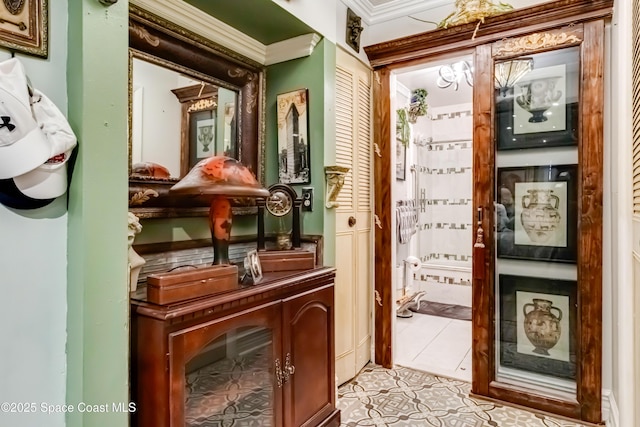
(23, 26)
(294, 163)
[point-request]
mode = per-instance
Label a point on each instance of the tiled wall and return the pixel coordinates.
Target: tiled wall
(445, 197)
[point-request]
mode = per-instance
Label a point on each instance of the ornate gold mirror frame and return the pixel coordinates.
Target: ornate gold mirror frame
(160, 42)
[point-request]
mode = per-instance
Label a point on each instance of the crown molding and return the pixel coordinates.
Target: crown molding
(372, 15)
(403, 90)
(293, 48)
(194, 20)
(206, 26)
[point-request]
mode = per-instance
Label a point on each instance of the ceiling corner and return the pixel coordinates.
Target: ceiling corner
(385, 10)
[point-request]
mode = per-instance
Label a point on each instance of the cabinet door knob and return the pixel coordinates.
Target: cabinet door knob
(352, 221)
(289, 369)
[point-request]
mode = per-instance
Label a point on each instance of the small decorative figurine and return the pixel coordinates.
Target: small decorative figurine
(135, 261)
(473, 10)
(354, 29)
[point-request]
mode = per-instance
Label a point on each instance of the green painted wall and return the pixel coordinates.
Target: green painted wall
(179, 229)
(97, 295)
(33, 262)
(316, 73)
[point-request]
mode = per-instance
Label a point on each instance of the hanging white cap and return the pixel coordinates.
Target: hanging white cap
(23, 145)
(49, 180)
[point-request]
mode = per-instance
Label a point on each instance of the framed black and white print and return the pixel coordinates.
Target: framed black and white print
(541, 108)
(539, 221)
(538, 325)
(202, 135)
(294, 163)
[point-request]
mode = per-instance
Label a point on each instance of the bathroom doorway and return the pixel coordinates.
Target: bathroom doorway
(432, 193)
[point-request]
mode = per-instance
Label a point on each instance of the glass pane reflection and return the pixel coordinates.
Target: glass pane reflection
(536, 212)
(230, 381)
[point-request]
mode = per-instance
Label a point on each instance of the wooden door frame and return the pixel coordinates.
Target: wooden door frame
(412, 50)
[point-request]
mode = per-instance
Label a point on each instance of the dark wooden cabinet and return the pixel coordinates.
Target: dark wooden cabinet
(263, 353)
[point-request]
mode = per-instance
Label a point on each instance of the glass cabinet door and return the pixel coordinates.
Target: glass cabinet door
(222, 372)
(536, 218)
(538, 191)
(231, 381)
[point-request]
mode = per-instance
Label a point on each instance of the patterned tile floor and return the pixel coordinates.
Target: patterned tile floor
(406, 397)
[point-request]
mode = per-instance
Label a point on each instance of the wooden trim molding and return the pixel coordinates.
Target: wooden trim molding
(384, 305)
(544, 27)
(537, 42)
(483, 157)
(518, 22)
(591, 154)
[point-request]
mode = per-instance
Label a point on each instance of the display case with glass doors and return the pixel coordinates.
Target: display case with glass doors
(544, 140)
(538, 156)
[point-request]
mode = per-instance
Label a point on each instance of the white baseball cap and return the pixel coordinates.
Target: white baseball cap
(49, 179)
(23, 145)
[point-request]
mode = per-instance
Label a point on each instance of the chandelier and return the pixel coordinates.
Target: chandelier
(507, 73)
(452, 75)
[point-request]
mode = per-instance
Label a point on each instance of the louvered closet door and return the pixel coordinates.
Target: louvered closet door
(354, 246)
(636, 183)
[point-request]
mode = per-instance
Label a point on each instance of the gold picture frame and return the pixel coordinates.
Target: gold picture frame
(294, 152)
(24, 26)
(198, 135)
(538, 325)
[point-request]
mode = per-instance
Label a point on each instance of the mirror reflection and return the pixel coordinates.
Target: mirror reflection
(178, 120)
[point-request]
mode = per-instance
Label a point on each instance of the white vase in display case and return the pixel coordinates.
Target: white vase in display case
(538, 96)
(540, 217)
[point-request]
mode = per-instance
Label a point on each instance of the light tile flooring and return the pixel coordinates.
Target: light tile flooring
(432, 344)
(403, 397)
(430, 384)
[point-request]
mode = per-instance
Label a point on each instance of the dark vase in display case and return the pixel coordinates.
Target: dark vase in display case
(541, 326)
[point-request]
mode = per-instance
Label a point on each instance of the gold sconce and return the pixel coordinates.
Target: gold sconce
(334, 176)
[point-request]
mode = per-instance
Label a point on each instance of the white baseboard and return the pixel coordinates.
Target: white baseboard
(610, 412)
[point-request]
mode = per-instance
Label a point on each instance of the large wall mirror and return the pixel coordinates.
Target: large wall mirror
(189, 99)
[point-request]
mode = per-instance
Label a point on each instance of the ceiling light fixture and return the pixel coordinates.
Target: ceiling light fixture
(507, 73)
(452, 75)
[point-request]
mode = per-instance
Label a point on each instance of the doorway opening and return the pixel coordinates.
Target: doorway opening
(433, 196)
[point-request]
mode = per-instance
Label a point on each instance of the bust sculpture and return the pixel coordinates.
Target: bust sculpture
(135, 261)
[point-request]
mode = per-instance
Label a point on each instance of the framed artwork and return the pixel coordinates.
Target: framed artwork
(537, 215)
(199, 132)
(540, 109)
(252, 264)
(294, 162)
(202, 135)
(24, 26)
(401, 161)
(538, 325)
